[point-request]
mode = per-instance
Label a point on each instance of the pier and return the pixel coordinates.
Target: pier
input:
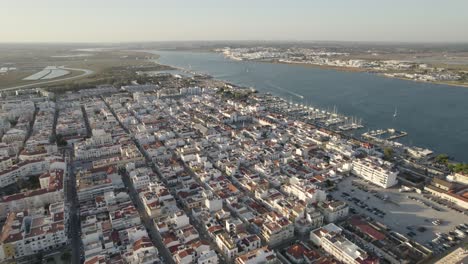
(388, 134)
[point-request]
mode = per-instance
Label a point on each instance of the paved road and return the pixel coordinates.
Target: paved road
(72, 202)
(85, 73)
(147, 221)
(29, 133)
(86, 121)
(203, 233)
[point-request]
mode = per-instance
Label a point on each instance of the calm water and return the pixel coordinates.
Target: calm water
(435, 116)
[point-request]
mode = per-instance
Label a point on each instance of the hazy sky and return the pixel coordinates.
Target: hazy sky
(154, 20)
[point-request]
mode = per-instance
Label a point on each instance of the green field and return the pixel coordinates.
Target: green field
(109, 66)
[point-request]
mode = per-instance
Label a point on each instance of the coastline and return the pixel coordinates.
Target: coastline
(442, 83)
(351, 69)
(327, 67)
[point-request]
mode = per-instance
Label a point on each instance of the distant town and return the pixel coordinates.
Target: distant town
(190, 169)
(323, 57)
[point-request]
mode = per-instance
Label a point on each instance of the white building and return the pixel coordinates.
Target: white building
(100, 137)
(90, 185)
(277, 229)
(51, 191)
(158, 201)
(304, 190)
(25, 234)
(99, 145)
(141, 177)
(175, 220)
(13, 135)
(249, 243)
(330, 239)
(83, 152)
(333, 211)
(125, 217)
(262, 255)
(23, 170)
(208, 257)
(376, 171)
(212, 202)
(226, 245)
(308, 220)
(340, 147)
(458, 177)
(141, 251)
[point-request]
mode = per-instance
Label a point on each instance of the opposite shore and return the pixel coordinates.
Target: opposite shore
(354, 69)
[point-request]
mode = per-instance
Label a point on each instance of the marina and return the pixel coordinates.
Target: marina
(387, 134)
(316, 116)
(380, 102)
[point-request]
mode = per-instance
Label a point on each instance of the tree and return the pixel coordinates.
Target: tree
(459, 168)
(388, 153)
(52, 139)
(31, 183)
(442, 158)
(13, 122)
(66, 256)
(61, 142)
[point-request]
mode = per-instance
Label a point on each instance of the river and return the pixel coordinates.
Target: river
(435, 116)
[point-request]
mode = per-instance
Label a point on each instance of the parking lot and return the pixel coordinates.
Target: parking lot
(408, 213)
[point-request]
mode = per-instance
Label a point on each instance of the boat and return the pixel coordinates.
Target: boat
(396, 113)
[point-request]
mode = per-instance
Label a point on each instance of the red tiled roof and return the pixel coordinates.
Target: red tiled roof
(296, 251)
(365, 228)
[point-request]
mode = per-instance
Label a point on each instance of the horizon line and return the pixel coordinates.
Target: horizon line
(245, 40)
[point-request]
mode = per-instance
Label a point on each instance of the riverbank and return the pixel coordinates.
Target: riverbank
(429, 82)
(327, 67)
(352, 69)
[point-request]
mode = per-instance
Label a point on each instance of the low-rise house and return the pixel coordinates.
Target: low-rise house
(26, 233)
(304, 190)
(276, 229)
(449, 191)
(330, 239)
(262, 255)
(23, 170)
(141, 251)
(51, 191)
(333, 211)
(226, 245)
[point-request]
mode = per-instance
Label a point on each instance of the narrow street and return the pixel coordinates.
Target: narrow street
(71, 200)
(29, 132)
(85, 119)
(147, 221)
